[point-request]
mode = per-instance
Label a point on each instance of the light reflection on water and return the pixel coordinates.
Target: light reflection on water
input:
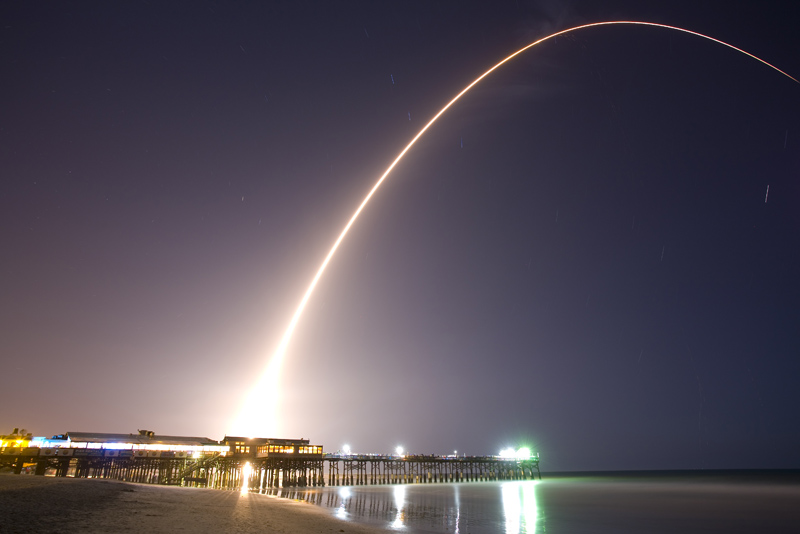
(457, 495)
(508, 507)
(341, 511)
(519, 507)
(737, 502)
(399, 502)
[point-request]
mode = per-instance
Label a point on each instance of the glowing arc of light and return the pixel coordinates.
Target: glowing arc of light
(275, 363)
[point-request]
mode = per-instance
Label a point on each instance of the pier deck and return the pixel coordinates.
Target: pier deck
(237, 462)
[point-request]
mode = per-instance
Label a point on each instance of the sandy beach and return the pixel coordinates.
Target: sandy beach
(34, 504)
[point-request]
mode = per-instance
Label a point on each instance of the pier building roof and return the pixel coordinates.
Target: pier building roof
(143, 440)
(97, 437)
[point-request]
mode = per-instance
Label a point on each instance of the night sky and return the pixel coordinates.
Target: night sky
(580, 255)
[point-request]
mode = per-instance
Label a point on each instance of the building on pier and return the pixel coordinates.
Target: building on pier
(140, 457)
(145, 443)
(242, 447)
(271, 462)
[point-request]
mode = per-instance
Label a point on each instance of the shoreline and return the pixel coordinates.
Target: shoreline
(31, 503)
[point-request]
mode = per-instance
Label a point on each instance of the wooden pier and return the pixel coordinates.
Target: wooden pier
(254, 464)
(232, 473)
(357, 470)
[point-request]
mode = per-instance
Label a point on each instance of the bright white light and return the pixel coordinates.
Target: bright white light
(247, 472)
(117, 446)
(399, 503)
(512, 507)
(530, 512)
(258, 414)
(399, 450)
(523, 453)
(519, 507)
(344, 494)
(508, 453)
(346, 449)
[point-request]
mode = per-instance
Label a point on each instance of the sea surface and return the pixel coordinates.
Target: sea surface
(561, 503)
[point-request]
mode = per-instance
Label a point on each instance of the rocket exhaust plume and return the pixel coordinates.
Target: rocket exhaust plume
(257, 416)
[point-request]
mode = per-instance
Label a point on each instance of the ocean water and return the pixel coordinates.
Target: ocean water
(661, 502)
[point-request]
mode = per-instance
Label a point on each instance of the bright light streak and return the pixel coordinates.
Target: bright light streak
(344, 494)
(512, 507)
(519, 507)
(247, 472)
(530, 511)
(457, 498)
(258, 412)
(399, 503)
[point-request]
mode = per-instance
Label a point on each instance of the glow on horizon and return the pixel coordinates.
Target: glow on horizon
(257, 416)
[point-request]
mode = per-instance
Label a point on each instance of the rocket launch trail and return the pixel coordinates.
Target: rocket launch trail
(258, 413)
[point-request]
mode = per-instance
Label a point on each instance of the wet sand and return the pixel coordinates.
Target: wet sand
(35, 504)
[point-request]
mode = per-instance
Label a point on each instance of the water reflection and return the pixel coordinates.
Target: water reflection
(399, 503)
(457, 498)
(508, 507)
(519, 507)
(529, 507)
(344, 494)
